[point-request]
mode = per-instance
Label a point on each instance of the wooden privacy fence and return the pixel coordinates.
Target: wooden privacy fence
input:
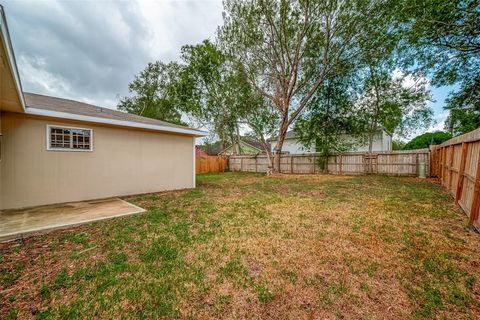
(211, 164)
(457, 163)
(390, 163)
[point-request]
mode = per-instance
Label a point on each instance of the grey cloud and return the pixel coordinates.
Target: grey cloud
(91, 50)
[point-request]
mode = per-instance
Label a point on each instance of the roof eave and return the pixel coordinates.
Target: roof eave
(11, 56)
(121, 123)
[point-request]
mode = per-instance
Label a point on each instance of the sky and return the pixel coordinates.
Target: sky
(91, 50)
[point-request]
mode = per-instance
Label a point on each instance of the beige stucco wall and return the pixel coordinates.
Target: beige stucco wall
(123, 162)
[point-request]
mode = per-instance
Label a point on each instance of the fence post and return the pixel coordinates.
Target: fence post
(441, 157)
(450, 167)
(256, 161)
(442, 154)
(445, 164)
(291, 163)
(461, 172)
(241, 164)
(341, 165)
(417, 171)
(476, 196)
(314, 163)
(439, 167)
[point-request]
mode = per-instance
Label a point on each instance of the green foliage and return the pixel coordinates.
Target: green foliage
(387, 102)
(215, 92)
(154, 93)
(287, 49)
(443, 37)
(464, 107)
(397, 145)
(427, 139)
(328, 118)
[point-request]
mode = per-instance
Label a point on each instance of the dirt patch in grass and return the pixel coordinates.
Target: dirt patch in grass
(251, 246)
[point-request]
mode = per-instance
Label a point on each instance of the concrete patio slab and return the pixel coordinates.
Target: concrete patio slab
(20, 223)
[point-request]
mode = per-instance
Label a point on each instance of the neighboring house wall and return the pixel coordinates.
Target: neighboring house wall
(382, 142)
(123, 162)
(245, 149)
(294, 147)
(387, 141)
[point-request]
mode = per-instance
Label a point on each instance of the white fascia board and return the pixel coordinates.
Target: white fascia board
(11, 55)
(122, 123)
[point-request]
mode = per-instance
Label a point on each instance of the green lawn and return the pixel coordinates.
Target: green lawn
(250, 246)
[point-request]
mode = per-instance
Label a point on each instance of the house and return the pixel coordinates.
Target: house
(247, 146)
(382, 142)
(55, 150)
(199, 152)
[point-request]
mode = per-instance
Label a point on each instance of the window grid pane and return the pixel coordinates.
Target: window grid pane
(60, 138)
(65, 138)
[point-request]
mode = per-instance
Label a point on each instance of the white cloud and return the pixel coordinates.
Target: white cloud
(410, 80)
(440, 122)
(174, 23)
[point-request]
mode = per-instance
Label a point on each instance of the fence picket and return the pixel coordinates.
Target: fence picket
(211, 164)
(466, 149)
(393, 163)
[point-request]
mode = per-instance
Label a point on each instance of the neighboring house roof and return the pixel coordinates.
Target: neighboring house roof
(254, 145)
(69, 109)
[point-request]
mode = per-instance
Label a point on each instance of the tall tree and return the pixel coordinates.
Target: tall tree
(154, 95)
(444, 37)
(289, 48)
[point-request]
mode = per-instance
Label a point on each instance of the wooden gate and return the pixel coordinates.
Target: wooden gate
(370, 162)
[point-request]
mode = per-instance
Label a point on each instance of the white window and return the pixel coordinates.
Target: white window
(69, 138)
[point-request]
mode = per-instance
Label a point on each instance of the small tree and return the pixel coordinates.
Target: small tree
(263, 121)
(388, 103)
(329, 119)
(397, 144)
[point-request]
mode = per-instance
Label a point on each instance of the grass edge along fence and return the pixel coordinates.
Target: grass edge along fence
(456, 163)
(353, 163)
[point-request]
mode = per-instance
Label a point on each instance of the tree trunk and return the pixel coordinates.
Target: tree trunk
(370, 142)
(268, 151)
(237, 140)
(278, 147)
(269, 158)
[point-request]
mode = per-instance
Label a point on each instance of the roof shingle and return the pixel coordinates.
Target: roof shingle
(39, 101)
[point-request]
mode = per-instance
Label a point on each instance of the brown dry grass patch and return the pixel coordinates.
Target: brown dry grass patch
(249, 246)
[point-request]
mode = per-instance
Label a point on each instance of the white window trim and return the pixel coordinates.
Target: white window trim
(49, 148)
